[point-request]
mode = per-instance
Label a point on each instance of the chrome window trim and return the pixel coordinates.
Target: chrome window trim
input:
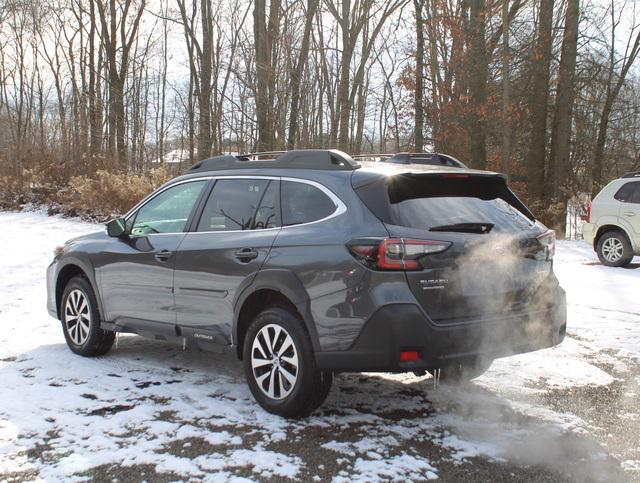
(341, 208)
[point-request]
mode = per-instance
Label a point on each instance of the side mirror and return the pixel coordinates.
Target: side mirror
(116, 227)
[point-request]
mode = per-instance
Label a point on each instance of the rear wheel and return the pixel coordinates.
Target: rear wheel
(614, 249)
(457, 372)
(81, 320)
(280, 367)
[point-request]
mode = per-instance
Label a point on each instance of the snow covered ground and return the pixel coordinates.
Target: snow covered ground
(149, 411)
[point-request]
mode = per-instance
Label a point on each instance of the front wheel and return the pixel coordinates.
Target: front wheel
(280, 367)
(614, 249)
(81, 321)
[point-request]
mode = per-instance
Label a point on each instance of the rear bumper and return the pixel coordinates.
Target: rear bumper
(401, 327)
(588, 232)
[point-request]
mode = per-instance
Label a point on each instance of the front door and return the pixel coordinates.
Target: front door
(135, 273)
(231, 241)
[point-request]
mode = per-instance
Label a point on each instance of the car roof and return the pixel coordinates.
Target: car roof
(311, 163)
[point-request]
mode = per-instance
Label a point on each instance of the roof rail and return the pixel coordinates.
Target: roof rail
(633, 174)
(330, 159)
(256, 156)
(408, 158)
(372, 155)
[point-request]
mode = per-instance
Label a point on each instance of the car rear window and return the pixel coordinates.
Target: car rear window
(428, 213)
(304, 203)
(629, 192)
(437, 202)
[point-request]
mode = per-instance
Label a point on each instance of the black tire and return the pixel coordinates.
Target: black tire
(84, 337)
(310, 387)
(323, 387)
(614, 250)
(457, 372)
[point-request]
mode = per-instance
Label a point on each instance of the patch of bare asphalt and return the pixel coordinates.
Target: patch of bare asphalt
(128, 474)
(113, 409)
(322, 464)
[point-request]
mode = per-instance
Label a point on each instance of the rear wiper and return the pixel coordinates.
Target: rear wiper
(465, 227)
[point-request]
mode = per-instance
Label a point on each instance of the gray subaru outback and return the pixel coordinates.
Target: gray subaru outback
(309, 264)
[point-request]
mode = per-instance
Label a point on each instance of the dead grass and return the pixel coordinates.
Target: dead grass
(99, 195)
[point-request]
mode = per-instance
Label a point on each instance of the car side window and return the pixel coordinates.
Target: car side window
(628, 192)
(635, 196)
(304, 203)
(241, 204)
(168, 212)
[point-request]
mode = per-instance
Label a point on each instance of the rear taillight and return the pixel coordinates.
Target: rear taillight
(394, 253)
(548, 241)
(409, 356)
(589, 213)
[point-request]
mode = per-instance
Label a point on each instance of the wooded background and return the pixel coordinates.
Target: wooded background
(94, 92)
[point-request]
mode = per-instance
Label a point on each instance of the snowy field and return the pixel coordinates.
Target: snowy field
(149, 411)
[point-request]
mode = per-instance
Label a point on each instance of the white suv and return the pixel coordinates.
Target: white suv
(613, 221)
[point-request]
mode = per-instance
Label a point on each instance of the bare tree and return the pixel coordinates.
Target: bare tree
(479, 72)
(296, 75)
(505, 165)
(352, 19)
(538, 101)
(418, 136)
(119, 31)
(616, 75)
(565, 94)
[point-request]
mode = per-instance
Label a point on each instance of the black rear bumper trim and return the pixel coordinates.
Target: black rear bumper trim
(400, 327)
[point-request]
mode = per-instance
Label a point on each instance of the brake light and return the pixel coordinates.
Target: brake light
(589, 213)
(409, 356)
(548, 240)
(394, 253)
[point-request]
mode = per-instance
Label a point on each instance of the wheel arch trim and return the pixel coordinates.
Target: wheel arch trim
(606, 227)
(287, 284)
(75, 264)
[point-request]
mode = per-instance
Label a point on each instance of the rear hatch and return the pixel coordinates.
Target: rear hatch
(490, 256)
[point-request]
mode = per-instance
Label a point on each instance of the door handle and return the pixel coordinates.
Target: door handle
(245, 255)
(628, 213)
(163, 255)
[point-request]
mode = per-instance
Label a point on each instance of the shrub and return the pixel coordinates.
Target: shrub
(10, 193)
(108, 194)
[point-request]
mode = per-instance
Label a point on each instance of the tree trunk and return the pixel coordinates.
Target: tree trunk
(478, 73)
(296, 75)
(540, 63)
(565, 94)
(344, 108)
(204, 89)
(418, 134)
(264, 74)
(505, 164)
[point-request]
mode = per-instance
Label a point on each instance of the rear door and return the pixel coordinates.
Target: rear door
(224, 251)
(495, 262)
(629, 197)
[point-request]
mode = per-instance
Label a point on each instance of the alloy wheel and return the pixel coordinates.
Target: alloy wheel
(274, 361)
(612, 249)
(77, 316)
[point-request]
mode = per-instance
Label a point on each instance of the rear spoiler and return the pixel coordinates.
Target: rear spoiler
(399, 187)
